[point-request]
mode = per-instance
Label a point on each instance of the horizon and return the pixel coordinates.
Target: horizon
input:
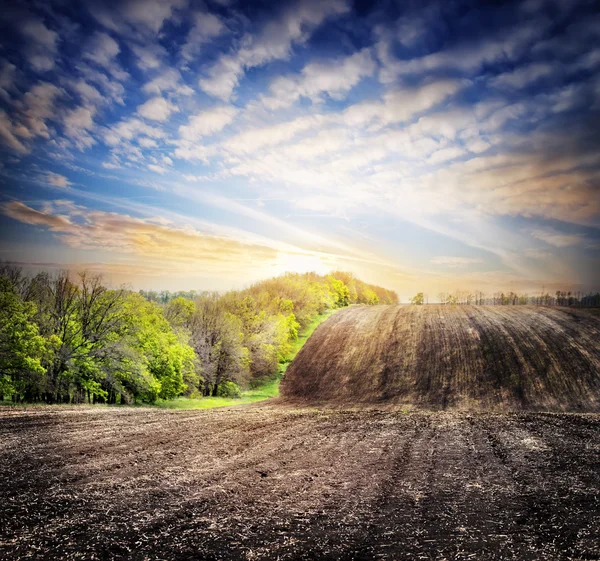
(431, 147)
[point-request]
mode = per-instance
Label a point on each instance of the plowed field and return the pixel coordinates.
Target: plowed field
(437, 357)
(280, 483)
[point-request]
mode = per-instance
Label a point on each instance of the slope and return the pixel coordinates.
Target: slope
(481, 357)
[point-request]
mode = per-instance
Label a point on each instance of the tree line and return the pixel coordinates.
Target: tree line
(71, 339)
(478, 298)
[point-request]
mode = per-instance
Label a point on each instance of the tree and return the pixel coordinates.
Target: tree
(341, 293)
(21, 346)
(418, 299)
(217, 338)
(169, 361)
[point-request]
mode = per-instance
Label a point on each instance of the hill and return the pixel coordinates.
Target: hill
(480, 357)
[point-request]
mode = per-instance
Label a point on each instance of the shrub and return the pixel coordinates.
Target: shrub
(229, 389)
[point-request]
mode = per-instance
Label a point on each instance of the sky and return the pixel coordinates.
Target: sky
(422, 145)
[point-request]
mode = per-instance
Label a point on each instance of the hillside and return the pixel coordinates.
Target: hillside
(484, 357)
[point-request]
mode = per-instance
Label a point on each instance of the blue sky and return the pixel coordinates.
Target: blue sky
(422, 145)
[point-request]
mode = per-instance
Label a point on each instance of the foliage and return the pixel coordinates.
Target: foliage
(418, 299)
(75, 340)
(72, 339)
(229, 389)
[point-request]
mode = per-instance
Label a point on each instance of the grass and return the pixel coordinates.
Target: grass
(260, 393)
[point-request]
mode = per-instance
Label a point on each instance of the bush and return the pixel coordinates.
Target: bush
(229, 389)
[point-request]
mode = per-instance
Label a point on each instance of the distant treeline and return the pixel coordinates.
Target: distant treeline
(67, 339)
(359, 292)
(559, 298)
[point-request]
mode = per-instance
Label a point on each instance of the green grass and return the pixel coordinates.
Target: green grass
(260, 393)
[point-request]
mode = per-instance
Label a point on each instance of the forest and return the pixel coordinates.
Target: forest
(71, 339)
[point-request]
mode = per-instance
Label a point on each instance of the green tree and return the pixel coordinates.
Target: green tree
(21, 346)
(418, 299)
(166, 358)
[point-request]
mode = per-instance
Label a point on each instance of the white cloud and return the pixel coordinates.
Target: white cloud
(446, 154)
(206, 27)
(112, 89)
(56, 180)
(147, 143)
(157, 109)
(468, 57)
(207, 122)
(524, 75)
(101, 49)
(450, 261)
(557, 239)
(143, 15)
(169, 80)
(7, 135)
(149, 57)
(88, 93)
(158, 169)
(335, 78)
(42, 45)
(274, 42)
(77, 123)
(128, 130)
(255, 139)
(402, 105)
(36, 107)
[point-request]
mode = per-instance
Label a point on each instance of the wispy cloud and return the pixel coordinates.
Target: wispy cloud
(558, 239)
(450, 261)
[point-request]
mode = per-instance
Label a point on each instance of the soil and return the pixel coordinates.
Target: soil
(274, 482)
(447, 357)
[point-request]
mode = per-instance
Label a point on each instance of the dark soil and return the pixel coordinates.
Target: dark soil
(442, 357)
(279, 483)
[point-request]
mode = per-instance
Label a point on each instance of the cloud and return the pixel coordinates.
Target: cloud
(524, 76)
(141, 15)
(112, 90)
(101, 49)
(256, 138)
(206, 27)
(274, 42)
(334, 78)
(469, 57)
(36, 107)
(56, 180)
(78, 122)
(7, 135)
(23, 213)
(157, 109)
(130, 129)
(557, 239)
(149, 57)
(42, 45)
(207, 122)
(88, 93)
(168, 80)
(450, 261)
(446, 154)
(121, 233)
(401, 105)
(157, 169)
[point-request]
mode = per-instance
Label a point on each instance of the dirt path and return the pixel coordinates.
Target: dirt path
(278, 483)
